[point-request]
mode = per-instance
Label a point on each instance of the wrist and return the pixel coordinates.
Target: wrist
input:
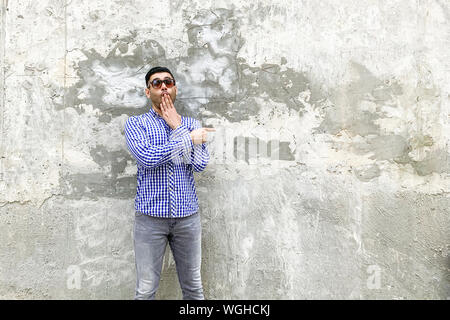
(177, 124)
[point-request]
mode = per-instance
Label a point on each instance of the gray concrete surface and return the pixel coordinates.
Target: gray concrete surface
(329, 175)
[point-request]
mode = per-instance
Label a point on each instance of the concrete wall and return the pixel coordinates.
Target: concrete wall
(352, 98)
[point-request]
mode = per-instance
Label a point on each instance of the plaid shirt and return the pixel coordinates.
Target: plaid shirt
(165, 160)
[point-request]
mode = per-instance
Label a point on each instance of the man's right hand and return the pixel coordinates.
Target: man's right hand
(169, 113)
(199, 136)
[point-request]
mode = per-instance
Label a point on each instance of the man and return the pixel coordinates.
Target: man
(168, 148)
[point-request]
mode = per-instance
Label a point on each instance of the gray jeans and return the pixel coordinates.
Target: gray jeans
(151, 235)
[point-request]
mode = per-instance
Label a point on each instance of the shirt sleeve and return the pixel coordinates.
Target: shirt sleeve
(199, 156)
(152, 156)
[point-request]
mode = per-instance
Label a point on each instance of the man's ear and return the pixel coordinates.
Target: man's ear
(147, 92)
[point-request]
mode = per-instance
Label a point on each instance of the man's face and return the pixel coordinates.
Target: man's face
(154, 94)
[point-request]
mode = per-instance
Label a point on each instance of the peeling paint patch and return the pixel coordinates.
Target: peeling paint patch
(383, 147)
(367, 173)
(113, 184)
(210, 77)
(437, 161)
(364, 103)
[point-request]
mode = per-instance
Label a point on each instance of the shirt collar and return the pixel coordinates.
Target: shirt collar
(154, 113)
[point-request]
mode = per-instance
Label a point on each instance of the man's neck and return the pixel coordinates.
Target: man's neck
(157, 110)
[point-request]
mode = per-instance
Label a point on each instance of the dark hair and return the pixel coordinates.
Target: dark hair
(156, 70)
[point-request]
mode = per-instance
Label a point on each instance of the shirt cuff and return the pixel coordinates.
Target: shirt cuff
(178, 132)
(182, 134)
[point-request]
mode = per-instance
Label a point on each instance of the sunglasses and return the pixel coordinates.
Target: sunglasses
(157, 83)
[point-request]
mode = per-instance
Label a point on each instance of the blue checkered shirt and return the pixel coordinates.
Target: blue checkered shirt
(165, 160)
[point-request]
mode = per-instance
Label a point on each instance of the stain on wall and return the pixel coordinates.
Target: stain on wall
(329, 167)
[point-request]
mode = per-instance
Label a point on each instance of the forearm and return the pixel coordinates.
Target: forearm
(199, 157)
(151, 156)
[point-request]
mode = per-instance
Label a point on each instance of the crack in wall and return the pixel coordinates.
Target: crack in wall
(4, 5)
